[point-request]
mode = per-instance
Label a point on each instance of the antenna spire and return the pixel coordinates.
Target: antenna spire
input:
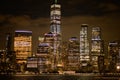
(55, 1)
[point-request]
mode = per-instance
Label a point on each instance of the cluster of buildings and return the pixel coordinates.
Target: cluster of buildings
(83, 54)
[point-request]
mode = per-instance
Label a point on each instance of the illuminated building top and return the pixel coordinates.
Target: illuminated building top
(55, 29)
(84, 44)
(96, 40)
(24, 31)
(55, 19)
(96, 33)
(73, 39)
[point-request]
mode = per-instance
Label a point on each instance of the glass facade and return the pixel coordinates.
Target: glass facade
(55, 18)
(55, 29)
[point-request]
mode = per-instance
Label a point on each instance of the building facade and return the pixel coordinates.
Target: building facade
(22, 45)
(114, 56)
(72, 63)
(55, 18)
(84, 46)
(44, 57)
(96, 48)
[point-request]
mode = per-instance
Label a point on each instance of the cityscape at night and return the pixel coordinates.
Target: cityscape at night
(60, 39)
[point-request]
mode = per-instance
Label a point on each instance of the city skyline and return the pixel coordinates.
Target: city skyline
(87, 31)
(28, 16)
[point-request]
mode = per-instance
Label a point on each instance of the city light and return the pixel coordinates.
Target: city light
(118, 67)
(84, 54)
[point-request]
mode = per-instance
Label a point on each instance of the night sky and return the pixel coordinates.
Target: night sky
(34, 15)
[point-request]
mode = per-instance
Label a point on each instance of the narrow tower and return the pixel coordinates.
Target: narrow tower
(84, 47)
(55, 18)
(55, 23)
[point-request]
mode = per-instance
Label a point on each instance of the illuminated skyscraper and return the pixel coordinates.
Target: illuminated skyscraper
(22, 45)
(55, 29)
(96, 47)
(84, 46)
(55, 18)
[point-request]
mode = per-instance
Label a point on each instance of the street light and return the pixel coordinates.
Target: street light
(118, 68)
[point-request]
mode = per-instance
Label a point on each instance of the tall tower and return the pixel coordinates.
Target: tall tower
(55, 22)
(55, 18)
(84, 46)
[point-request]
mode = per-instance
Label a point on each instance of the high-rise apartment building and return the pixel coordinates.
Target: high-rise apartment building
(84, 46)
(22, 45)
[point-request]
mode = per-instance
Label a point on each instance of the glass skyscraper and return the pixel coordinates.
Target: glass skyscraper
(55, 18)
(55, 29)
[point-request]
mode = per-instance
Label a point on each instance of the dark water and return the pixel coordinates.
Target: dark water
(55, 77)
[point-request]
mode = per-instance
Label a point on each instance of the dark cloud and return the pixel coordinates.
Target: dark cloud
(40, 8)
(25, 7)
(88, 7)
